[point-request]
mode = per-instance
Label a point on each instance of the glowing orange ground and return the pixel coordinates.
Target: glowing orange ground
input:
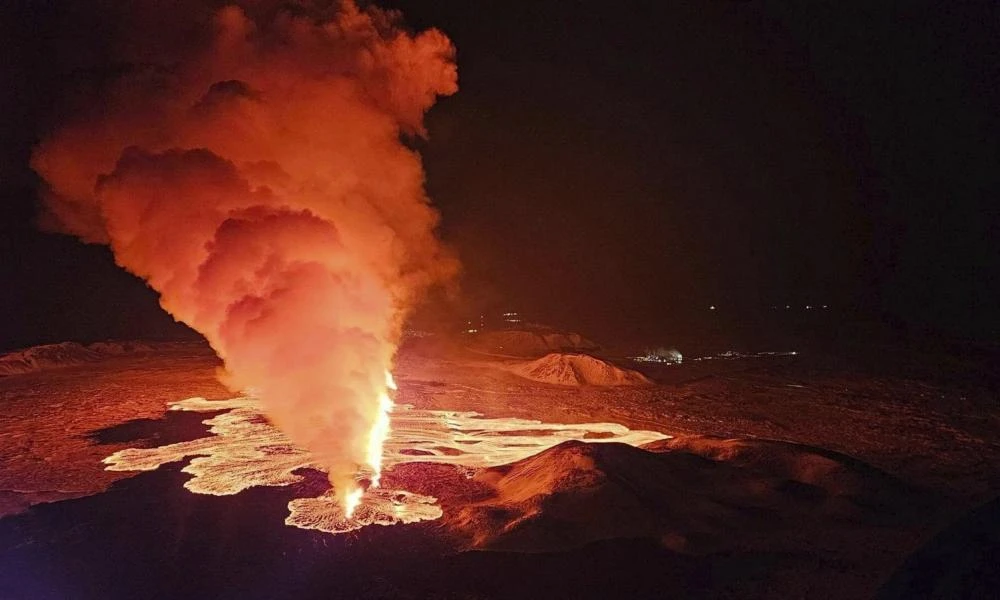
(245, 450)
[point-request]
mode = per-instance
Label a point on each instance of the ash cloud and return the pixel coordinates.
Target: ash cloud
(256, 179)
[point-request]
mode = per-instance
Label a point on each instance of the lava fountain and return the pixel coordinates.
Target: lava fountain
(376, 441)
(380, 430)
(250, 167)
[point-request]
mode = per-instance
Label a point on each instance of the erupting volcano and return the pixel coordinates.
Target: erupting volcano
(257, 180)
(724, 324)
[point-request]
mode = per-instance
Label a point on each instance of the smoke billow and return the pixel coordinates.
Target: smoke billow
(256, 179)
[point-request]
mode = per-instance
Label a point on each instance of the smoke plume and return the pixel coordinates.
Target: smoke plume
(254, 176)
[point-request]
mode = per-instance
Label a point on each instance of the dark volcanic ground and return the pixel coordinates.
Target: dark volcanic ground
(930, 422)
(149, 538)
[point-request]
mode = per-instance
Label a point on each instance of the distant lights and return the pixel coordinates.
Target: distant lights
(734, 355)
(487, 322)
(674, 357)
(804, 306)
(660, 355)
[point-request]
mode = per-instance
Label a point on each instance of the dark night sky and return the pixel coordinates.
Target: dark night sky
(620, 166)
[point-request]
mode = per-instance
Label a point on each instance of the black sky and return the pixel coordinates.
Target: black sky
(621, 166)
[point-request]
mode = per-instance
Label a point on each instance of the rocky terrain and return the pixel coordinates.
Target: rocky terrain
(784, 476)
(576, 370)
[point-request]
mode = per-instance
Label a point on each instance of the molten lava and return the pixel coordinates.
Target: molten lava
(351, 495)
(245, 450)
(380, 431)
(352, 500)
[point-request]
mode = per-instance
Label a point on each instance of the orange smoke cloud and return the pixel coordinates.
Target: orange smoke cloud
(259, 184)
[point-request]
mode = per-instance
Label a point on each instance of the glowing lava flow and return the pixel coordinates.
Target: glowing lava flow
(245, 450)
(380, 431)
(352, 500)
(376, 441)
